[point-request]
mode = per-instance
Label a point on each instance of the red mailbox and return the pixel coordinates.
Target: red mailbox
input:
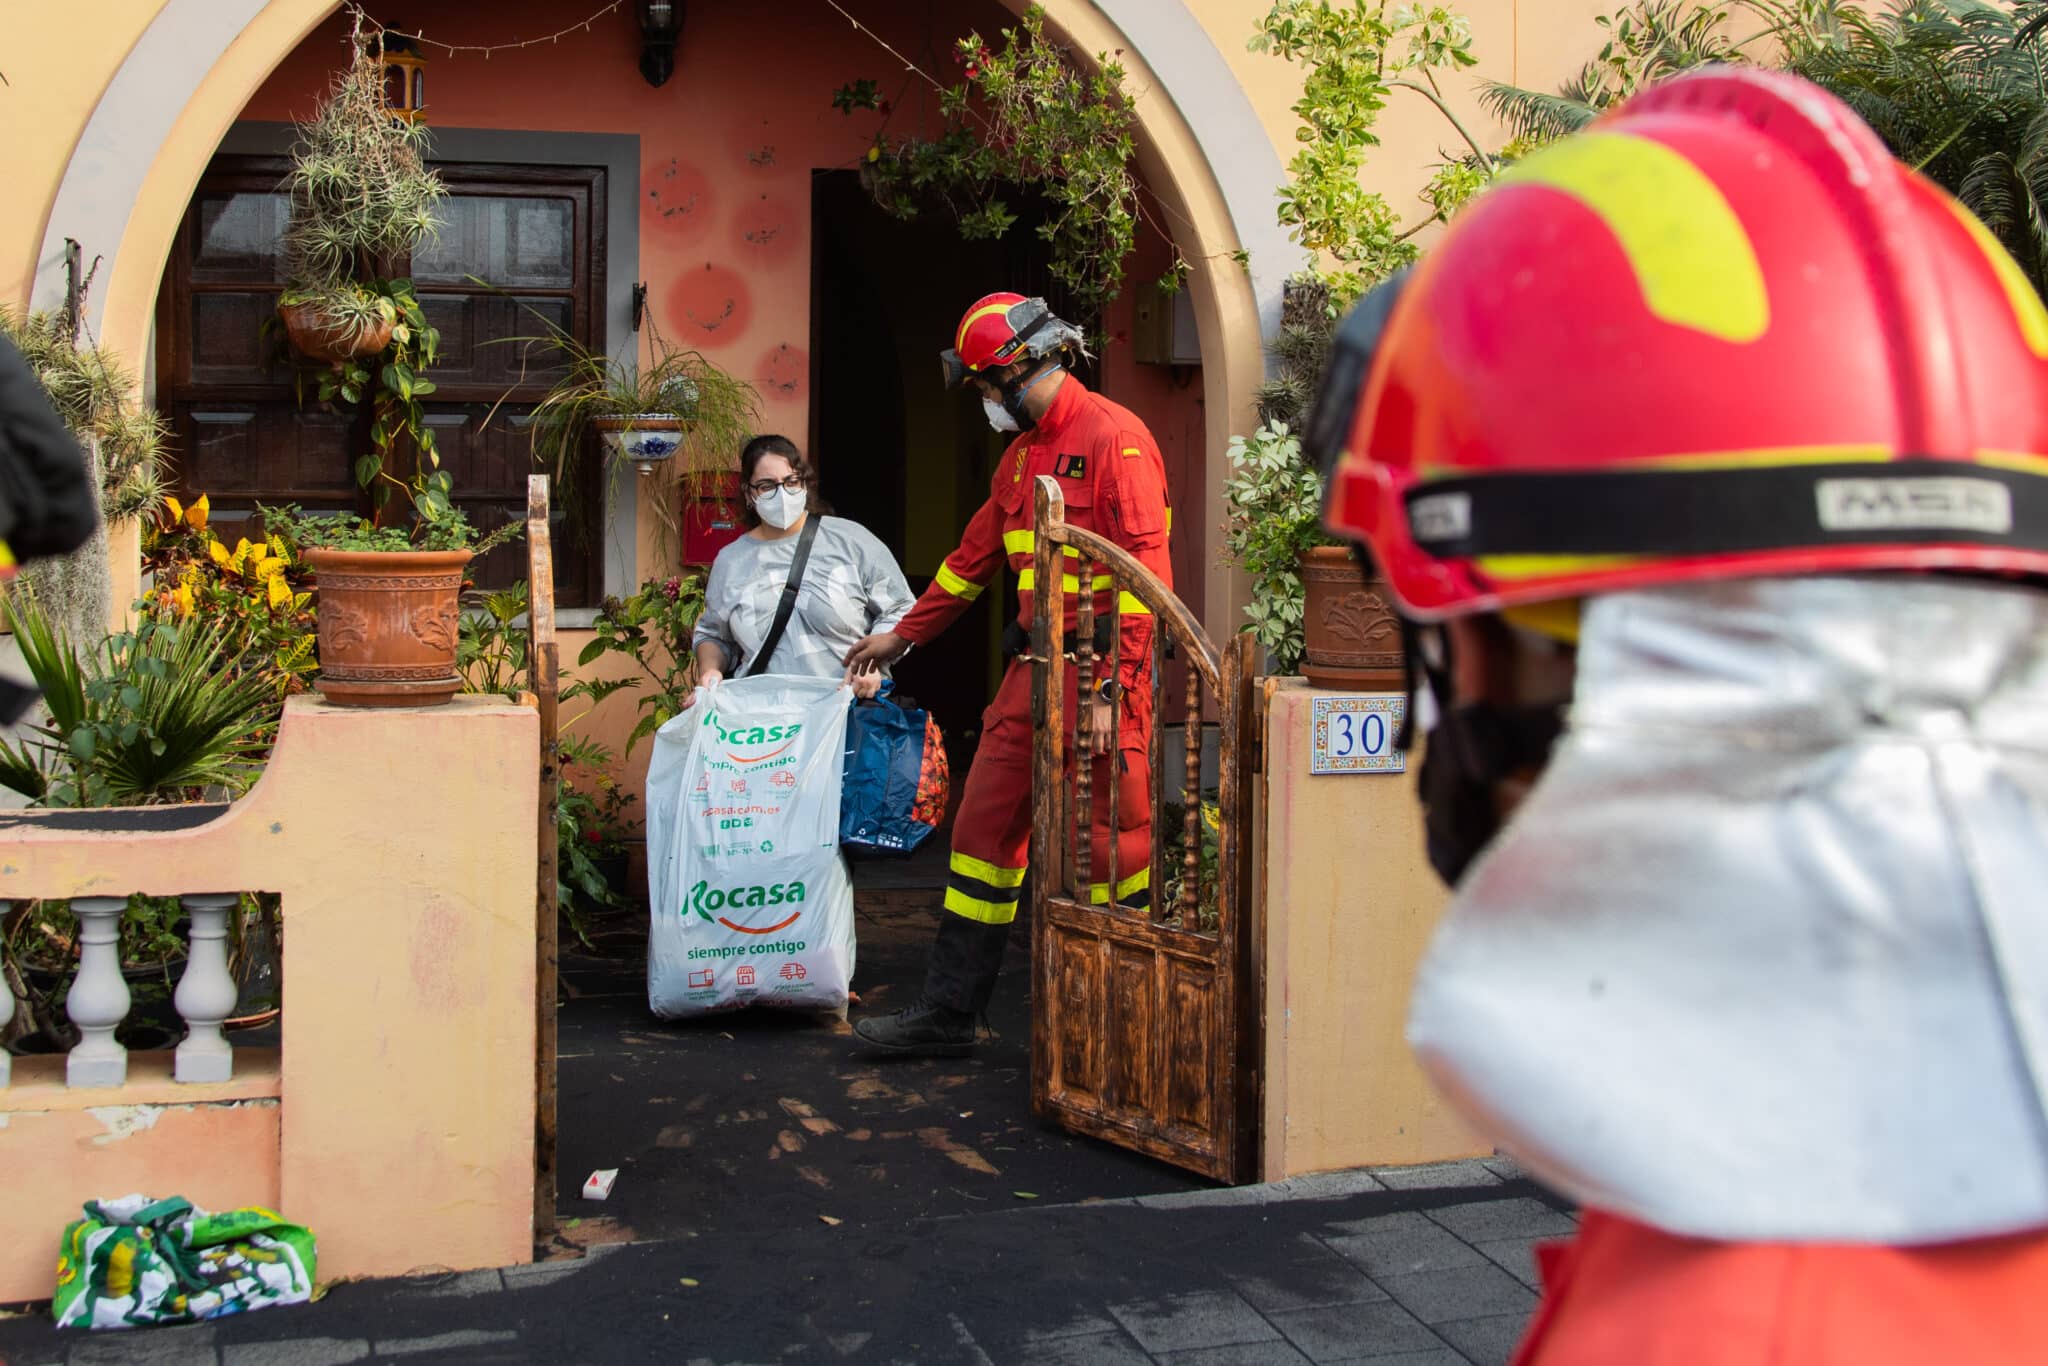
(711, 519)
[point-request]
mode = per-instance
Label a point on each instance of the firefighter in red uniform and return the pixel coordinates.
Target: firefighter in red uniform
(1016, 353)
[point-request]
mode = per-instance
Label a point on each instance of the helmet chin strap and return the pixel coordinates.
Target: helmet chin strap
(1017, 390)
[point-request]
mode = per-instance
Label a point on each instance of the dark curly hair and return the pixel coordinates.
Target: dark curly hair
(770, 444)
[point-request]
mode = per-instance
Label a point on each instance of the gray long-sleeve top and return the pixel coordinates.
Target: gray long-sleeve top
(852, 586)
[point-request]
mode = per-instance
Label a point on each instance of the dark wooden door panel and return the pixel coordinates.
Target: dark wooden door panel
(243, 436)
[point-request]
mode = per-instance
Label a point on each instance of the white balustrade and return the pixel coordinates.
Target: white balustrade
(206, 992)
(6, 1010)
(99, 994)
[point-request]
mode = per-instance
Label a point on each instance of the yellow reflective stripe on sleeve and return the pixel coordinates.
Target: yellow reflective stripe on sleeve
(974, 908)
(954, 584)
(1692, 259)
(1169, 519)
(1098, 892)
(1132, 450)
(994, 876)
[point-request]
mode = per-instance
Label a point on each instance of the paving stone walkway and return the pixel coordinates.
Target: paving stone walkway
(1401, 1267)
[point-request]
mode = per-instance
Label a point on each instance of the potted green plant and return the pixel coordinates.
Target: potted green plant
(669, 411)
(652, 629)
(1311, 606)
(389, 598)
(361, 199)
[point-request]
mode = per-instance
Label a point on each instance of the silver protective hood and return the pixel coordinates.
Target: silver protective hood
(1764, 955)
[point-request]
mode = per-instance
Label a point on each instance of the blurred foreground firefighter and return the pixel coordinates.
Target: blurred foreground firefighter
(1707, 456)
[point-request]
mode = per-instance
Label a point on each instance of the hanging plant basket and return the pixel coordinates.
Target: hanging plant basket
(643, 438)
(319, 334)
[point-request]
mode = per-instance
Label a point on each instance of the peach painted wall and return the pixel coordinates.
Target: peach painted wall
(404, 1089)
(1351, 903)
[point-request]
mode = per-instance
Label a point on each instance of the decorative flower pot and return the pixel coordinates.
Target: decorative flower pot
(388, 625)
(1352, 639)
(316, 333)
(643, 438)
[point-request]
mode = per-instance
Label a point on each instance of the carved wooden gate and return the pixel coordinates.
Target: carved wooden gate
(1146, 1028)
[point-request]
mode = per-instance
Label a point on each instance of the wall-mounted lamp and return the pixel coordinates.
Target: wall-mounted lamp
(661, 23)
(405, 78)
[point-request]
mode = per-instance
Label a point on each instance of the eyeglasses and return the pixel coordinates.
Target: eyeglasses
(764, 487)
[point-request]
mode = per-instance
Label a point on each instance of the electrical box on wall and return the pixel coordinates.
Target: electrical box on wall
(1163, 328)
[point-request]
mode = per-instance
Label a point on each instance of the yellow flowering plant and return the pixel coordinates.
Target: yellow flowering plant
(256, 586)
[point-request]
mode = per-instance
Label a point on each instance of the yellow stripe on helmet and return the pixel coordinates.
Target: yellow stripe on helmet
(1692, 259)
(2026, 304)
(985, 311)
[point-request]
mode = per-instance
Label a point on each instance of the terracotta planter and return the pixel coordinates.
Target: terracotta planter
(388, 623)
(1352, 637)
(316, 334)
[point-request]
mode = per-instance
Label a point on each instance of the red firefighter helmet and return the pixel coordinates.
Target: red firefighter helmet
(1720, 333)
(1000, 328)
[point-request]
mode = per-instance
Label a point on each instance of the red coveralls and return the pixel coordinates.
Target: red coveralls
(1114, 481)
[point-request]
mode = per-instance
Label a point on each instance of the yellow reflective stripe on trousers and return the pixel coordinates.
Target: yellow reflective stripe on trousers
(993, 875)
(1098, 892)
(954, 584)
(974, 908)
(983, 891)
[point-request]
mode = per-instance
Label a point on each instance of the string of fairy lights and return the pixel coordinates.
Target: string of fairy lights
(487, 49)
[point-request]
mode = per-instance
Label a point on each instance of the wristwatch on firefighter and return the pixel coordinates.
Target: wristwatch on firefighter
(1108, 690)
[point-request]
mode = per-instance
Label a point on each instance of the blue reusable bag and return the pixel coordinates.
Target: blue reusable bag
(887, 804)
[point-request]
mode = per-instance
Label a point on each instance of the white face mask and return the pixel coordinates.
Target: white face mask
(999, 416)
(781, 508)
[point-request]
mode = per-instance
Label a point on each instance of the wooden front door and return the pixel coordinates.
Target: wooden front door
(242, 436)
(1146, 1024)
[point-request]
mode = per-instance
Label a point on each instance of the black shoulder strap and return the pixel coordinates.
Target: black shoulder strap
(789, 590)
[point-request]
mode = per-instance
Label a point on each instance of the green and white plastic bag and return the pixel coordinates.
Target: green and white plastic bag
(134, 1262)
(750, 900)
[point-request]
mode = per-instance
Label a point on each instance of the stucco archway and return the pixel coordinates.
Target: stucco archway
(1203, 151)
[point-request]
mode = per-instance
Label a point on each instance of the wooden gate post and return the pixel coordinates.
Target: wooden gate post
(544, 679)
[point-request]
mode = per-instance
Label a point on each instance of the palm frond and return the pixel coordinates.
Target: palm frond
(1534, 115)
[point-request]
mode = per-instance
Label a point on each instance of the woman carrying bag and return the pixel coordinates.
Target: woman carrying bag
(795, 593)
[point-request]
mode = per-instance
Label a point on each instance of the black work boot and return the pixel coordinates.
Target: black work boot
(924, 1028)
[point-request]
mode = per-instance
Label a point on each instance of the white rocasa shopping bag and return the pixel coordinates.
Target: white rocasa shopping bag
(750, 899)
